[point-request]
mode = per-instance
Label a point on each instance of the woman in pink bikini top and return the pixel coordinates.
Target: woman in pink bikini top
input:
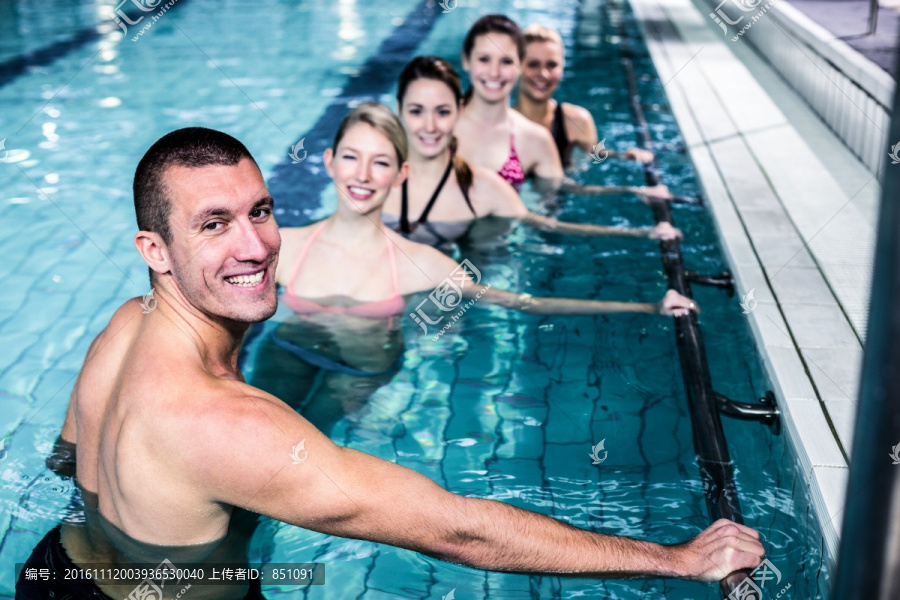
(487, 130)
(493, 135)
(350, 264)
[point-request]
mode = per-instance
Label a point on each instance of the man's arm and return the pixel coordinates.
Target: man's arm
(248, 456)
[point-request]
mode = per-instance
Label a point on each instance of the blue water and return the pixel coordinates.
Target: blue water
(503, 406)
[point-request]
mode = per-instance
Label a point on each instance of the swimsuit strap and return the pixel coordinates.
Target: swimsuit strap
(309, 241)
(404, 216)
(558, 131)
(393, 258)
(404, 220)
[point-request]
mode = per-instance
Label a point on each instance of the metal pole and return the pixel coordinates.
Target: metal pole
(716, 468)
(869, 555)
(873, 16)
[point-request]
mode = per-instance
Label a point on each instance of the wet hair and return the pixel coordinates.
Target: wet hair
(494, 24)
(539, 33)
(383, 120)
(438, 69)
(191, 147)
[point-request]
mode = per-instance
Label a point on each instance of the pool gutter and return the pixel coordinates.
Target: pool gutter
(771, 198)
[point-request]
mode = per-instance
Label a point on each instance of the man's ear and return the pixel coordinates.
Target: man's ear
(328, 158)
(153, 250)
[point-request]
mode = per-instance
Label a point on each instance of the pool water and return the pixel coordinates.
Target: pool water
(504, 405)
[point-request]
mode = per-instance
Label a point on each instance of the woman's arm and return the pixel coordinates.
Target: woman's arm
(583, 132)
(431, 269)
(672, 304)
(661, 231)
(494, 196)
(652, 193)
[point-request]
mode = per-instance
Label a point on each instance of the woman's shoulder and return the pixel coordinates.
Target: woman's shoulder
(578, 116)
(487, 182)
(421, 267)
(528, 128)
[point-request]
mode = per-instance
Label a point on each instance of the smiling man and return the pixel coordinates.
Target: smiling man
(172, 441)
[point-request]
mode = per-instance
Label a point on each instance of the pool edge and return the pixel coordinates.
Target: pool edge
(818, 412)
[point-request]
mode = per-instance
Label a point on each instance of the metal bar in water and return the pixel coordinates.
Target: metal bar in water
(716, 468)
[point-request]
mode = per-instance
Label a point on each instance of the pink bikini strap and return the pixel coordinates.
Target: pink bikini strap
(393, 259)
(303, 253)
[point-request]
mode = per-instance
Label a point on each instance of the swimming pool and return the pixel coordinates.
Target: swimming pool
(504, 405)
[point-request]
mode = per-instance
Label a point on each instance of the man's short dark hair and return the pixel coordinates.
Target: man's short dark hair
(192, 147)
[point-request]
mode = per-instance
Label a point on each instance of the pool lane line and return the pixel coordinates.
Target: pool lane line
(297, 189)
(714, 462)
(13, 68)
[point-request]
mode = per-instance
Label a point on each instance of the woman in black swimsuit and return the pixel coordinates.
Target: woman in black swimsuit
(569, 124)
(447, 193)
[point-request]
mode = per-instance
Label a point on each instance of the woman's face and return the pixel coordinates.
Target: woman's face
(364, 168)
(542, 70)
(429, 112)
(493, 66)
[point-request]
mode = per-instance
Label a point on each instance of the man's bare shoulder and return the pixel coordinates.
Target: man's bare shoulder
(122, 326)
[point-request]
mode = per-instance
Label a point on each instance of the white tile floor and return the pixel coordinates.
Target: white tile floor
(795, 210)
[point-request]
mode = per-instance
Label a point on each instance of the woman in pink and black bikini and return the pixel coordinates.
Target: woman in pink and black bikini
(491, 134)
(444, 196)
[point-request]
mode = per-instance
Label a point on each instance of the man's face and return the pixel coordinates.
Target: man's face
(225, 241)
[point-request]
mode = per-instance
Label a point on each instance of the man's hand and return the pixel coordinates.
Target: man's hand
(639, 155)
(666, 232)
(654, 193)
(676, 305)
(722, 548)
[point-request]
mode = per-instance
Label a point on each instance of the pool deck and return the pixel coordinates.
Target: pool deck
(796, 213)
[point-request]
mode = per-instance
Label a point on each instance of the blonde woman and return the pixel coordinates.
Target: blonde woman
(570, 125)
